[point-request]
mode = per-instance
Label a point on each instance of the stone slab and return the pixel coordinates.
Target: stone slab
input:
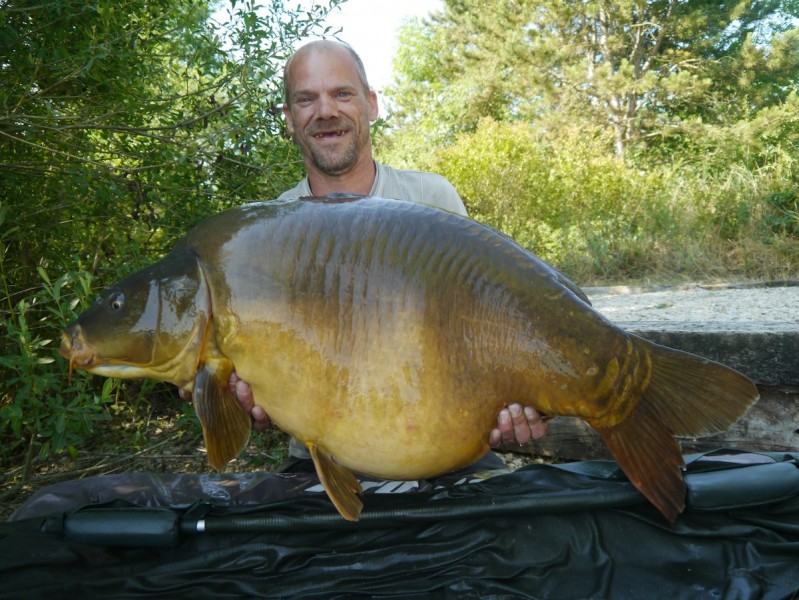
(751, 327)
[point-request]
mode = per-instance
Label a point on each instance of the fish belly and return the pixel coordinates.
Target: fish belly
(376, 410)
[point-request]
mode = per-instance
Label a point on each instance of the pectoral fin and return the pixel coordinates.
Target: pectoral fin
(226, 426)
(340, 484)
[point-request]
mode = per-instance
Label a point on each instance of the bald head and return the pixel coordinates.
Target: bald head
(331, 48)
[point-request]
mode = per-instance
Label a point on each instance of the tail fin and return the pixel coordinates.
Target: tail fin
(686, 396)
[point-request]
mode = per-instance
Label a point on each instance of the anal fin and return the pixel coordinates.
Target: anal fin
(226, 426)
(339, 482)
(651, 458)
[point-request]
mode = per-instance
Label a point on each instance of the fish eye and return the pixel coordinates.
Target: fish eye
(117, 302)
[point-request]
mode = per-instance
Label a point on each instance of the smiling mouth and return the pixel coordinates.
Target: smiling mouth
(323, 135)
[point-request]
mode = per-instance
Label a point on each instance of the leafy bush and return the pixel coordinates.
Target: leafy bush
(565, 202)
(124, 125)
(601, 219)
(783, 218)
(42, 406)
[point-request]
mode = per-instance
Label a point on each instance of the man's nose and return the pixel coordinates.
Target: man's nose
(327, 108)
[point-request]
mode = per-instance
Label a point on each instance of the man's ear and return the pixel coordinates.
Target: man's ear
(371, 99)
(289, 120)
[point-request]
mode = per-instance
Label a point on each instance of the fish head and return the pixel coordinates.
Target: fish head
(150, 324)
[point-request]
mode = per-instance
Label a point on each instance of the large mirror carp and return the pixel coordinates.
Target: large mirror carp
(387, 335)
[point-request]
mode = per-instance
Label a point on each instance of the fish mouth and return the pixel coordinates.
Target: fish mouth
(76, 351)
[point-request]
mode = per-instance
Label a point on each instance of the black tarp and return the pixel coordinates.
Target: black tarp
(578, 530)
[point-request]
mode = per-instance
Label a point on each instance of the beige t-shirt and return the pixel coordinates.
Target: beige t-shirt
(400, 184)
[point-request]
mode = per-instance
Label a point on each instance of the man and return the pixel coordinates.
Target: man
(328, 110)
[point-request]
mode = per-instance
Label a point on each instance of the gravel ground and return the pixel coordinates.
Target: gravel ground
(695, 307)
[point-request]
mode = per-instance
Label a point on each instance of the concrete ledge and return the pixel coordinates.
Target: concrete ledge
(766, 358)
(752, 327)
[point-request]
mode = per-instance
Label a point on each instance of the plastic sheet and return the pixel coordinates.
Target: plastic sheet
(569, 531)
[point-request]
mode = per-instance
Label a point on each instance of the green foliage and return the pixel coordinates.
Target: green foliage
(759, 142)
(577, 205)
(634, 67)
(783, 218)
(134, 120)
(624, 139)
(558, 199)
(122, 125)
(42, 407)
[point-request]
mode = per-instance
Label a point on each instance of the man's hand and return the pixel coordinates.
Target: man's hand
(517, 424)
(241, 389)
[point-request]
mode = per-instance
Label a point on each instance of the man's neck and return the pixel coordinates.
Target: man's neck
(358, 180)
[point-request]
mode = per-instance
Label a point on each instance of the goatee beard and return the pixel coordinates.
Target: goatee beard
(335, 164)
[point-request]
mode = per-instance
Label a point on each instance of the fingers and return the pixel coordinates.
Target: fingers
(243, 392)
(502, 431)
(537, 423)
(517, 424)
(260, 420)
(241, 389)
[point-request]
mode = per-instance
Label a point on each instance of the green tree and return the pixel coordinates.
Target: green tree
(636, 67)
(625, 138)
(122, 123)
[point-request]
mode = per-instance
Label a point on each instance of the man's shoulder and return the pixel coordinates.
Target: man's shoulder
(418, 186)
(414, 175)
(298, 191)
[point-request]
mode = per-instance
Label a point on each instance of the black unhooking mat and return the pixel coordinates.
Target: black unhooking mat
(577, 530)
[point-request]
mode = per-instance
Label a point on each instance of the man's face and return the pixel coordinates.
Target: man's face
(329, 111)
